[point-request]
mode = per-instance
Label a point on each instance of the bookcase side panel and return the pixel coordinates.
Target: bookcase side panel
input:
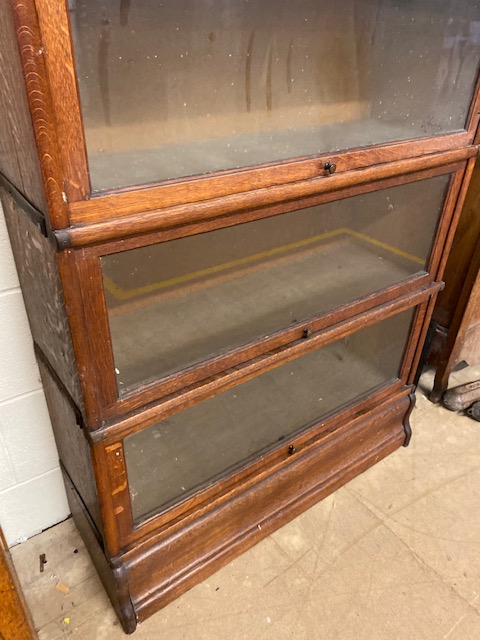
(19, 161)
(36, 263)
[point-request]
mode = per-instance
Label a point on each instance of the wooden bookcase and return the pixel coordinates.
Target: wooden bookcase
(456, 318)
(230, 226)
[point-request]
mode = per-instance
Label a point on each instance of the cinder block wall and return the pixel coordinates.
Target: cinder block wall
(32, 494)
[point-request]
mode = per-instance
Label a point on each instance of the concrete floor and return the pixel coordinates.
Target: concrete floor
(394, 555)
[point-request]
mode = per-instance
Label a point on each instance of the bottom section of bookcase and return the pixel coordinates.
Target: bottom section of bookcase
(163, 565)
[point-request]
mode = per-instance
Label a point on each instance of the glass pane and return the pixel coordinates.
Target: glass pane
(179, 302)
(184, 87)
(170, 459)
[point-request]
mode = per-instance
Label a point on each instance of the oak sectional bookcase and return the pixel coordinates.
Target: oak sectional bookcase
(230, 222)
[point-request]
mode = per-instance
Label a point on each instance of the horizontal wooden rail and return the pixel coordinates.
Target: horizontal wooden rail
(141, 223)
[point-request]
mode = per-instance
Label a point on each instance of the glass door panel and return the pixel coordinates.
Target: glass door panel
(185, 87)
(180, 302)
(172, 458)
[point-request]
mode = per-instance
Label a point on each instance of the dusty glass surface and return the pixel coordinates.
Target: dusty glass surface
(176, 303)
(185, 87)
(170, 459)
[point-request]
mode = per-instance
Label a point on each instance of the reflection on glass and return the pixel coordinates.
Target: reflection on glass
(183, 87)
(179, 302)
(170, 459)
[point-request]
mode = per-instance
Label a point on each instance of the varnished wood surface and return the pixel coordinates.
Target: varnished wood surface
(417, 325)
(111, 573)
(195, 551)
(463, 335)
(447, 221)
(18, 153)
(457, 313)
(184, 214)
(276, 345)
(460, 257)
(86, 363)
(457, 205)
(111, 473)
(473, 119)
(213, 366)
(217, 531)
(72, 446)
(253, 367)
(470, 350)
(170, 230)
(244, 478)
(60, 67)
(90, 277)
(82, 281)
(15, 619)
(55, 33)
(38, 93)
(43, 294)
(174, 193)
(9, 166)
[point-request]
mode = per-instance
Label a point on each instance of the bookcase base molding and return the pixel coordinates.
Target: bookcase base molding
(160, 568)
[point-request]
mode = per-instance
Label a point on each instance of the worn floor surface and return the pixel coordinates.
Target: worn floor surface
(394, 555)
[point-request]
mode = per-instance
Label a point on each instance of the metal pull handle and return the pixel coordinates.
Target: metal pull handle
(330, 167)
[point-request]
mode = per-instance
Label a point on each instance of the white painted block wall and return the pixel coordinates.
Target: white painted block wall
(32, 494)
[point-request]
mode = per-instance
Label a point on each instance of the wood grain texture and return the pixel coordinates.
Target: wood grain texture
(110, 471)
(72, 446)
(448, 213)
(246, 477)
(94, 326)
(37, 269)
(65, 101)
(173, 193)
(167, 231)
(461, 254)
(256, 198)
(85, 359)
(412, 344)
(9, 166)
(167, 562)
(457, 316)
(463, 336)
(207, 543)
(417, 359)
(189, 396)
(38, 94)
(119, 497)
(83, 284)
(111, 573)
(457, 204)
(18, 153)
(162, 387)
(15, 619)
